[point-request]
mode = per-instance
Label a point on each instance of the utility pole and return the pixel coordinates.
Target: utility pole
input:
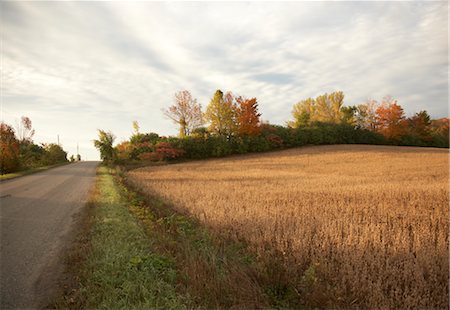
(57, 137)
(78, 153)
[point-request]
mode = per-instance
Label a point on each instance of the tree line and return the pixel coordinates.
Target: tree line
(19, 152)
(232, 124)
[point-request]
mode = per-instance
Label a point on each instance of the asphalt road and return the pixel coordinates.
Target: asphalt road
(38, 218)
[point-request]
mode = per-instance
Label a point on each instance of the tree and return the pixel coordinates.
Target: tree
(53, 154)
(9, 149)
(221, 114)
(326, 108)
(123, 150)
(419, 126)
(136, 127)
(248, 117)
(366, 116)
(25, 131)
(185, 112)
(105, 145)
(348, 115)
(390, 119)
(302, 112)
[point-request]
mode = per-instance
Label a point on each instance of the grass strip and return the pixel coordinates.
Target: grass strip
(8, 176)
(136, 252)
(120, 270)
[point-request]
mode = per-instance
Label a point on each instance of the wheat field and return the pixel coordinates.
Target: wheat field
(338, 226)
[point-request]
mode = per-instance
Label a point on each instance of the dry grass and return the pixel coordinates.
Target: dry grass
(333, 226)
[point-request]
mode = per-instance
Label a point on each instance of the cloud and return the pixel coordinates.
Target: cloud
(73, 67)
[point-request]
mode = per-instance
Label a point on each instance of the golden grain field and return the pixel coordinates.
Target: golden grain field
(350, 226)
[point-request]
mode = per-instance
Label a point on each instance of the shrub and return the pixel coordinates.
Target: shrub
(275, 141)
(54, 154)
(163, 151)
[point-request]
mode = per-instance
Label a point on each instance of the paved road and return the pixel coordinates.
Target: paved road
(37, 218)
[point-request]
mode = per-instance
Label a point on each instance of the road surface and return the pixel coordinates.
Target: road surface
(37, 222)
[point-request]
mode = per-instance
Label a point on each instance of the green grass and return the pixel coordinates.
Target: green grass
(136, 252)
(8, 176)
(121, 271)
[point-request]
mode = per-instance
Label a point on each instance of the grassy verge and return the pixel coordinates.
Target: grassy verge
(215, 273)
(114, 265)
(8, 176)
(138, 253)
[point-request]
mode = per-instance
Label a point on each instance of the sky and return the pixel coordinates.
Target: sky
(75, 67)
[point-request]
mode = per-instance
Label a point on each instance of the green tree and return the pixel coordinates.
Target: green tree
(105, 145)
(419, 126)
(54, 154)
(348, 115)
(222, 115)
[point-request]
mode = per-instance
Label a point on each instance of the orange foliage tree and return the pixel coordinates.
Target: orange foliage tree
(390, 119)
(9, 149)
(248, 117)
(124, 150)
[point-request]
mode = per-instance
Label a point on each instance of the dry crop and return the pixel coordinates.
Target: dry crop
(333, 226)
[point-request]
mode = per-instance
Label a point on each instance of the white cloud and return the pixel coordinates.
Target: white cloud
(73, 67)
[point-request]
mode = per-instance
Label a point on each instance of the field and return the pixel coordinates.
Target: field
(333, 226)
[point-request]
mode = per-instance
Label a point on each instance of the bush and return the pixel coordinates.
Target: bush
(163, 151)
(54, 154)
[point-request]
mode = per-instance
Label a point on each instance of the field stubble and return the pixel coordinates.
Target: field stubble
(332, 226)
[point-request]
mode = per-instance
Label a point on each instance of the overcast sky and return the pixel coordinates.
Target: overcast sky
(73, 67)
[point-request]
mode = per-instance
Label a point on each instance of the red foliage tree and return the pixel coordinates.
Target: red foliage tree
(163, 151)
(9, 149)
(248, 117)
(390, 119)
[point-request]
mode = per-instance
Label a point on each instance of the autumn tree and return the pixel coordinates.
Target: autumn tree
(9, 149)
(185, 112)
(24, 128)
(328, 107)
(123, 150)
(248, 117)
(325, 108)
(302, 112)
(136, 127)
(366, 116)
(440, 131)
(221, 114)
(390, 119)
(105, 145)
